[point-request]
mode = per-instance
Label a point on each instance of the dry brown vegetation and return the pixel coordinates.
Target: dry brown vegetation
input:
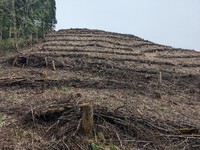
(145, 95)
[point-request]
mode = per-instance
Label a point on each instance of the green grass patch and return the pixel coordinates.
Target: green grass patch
(102, 100)
(12, 97)
(95, 146)
(64, 89)
(18, 134)
(1, 119)
(113, 147)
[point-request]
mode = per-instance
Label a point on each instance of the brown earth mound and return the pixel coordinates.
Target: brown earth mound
(145, 95)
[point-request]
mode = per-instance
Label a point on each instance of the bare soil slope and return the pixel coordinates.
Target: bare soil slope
(121, 75)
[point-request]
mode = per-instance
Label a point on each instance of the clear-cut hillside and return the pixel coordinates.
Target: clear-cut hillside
(126, 51)
(118, 71)
(105, 60)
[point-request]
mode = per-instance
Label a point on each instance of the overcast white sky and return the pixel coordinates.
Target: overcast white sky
(170, 22)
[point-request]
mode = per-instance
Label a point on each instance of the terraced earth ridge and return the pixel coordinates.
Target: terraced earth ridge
(118, 74)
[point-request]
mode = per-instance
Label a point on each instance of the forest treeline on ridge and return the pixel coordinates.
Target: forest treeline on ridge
(22, 22)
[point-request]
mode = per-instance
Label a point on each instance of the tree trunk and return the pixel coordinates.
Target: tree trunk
(36, 36)
(1, 36)
(43, 29)
(10, 32)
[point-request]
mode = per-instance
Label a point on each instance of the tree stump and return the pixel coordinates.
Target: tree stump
(160, 78)
(87, 120)
(53, 64)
